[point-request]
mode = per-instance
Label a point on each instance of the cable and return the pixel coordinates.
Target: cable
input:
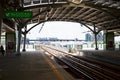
(42, 27)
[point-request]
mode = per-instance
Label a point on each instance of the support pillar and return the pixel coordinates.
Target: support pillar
(0, 28)
(95, 34)
(96, 46)
(109, 41)
(19, 40)
(1, 16)
(10, 42)
(24, 43)
(16, 33)
(104, 40)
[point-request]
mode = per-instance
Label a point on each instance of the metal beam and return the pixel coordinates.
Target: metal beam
(35, 25)
(44, 5)
(84, 14)
(8, 27)
(96, 17)
(96, 46)
(91, 14)
(54, 13)
(1, 20)
(104, 9)
(65, 8)
(86, 26)
(81, 12)
(24, 24)
(41, 27)
(19, 41)
(24, 43)
(0, 28)
(70, 12)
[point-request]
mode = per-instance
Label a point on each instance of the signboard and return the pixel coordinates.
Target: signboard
(18, 14)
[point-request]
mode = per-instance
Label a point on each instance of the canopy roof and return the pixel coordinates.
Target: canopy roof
(103, 14)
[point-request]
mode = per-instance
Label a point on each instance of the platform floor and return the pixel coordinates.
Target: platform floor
(31, 66)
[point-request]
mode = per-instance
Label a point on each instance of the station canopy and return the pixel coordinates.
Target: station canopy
(103, 14)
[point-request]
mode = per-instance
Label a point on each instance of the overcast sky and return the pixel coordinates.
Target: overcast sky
(61, 30)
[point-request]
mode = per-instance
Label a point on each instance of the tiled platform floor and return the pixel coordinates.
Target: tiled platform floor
(28, 66)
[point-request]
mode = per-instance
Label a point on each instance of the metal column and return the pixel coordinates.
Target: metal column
(96, 46)
(1, 16)
(95, 33)
(19, 39)
(104, 40)
(0, 29)
(24, 44)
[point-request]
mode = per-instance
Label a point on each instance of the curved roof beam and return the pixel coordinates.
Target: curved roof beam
(24, 24)
(86, 26)
(35, 25)
(106, 10)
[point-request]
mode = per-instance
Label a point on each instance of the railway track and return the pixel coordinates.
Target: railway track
(89, 68)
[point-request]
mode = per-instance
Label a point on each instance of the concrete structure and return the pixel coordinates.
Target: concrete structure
(10, 42)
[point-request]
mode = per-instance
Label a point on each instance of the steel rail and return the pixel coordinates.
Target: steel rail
(92, 69)
(93, 61)
(85, 75)
(97, 70)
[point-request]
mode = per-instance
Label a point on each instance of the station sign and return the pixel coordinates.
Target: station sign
(18, 14)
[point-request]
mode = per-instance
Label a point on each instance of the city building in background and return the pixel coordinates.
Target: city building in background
(89, 37)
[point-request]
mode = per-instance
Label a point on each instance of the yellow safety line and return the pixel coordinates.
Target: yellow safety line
(54, 70)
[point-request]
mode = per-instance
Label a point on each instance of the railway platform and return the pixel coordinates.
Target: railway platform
(31, 66)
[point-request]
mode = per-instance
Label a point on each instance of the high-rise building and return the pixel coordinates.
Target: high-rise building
(100, 36)
(88, 37)
(91, 37)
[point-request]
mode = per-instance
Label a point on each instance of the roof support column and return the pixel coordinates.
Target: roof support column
(104, 39)
(109, 41)
(24, 43)
(0, 28)
(95, 34)
(1, 16)
(19, 40)
(26, 31)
